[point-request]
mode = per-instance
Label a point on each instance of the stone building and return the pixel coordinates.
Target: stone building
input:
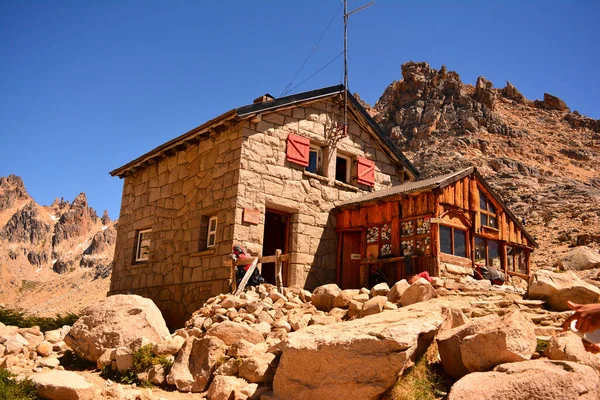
(268, 176)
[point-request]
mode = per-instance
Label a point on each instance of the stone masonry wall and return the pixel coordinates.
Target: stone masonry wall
(268, 180)
(170, 197)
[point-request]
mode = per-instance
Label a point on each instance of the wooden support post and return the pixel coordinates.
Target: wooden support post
(233, 277)
(246, 277)
(278, 276)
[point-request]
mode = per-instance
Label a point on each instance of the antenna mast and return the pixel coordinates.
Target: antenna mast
(346, 15)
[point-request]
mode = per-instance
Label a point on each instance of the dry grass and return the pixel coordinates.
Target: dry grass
(424, 381)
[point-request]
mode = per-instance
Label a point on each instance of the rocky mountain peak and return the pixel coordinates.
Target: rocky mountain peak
(26, 226)
(76, 221)
(12, 189)
(105, 218)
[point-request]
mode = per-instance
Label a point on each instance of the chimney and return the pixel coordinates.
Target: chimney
(263, 98)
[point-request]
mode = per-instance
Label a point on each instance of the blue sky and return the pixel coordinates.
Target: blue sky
(87, 86)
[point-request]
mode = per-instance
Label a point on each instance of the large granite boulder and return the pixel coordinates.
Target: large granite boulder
(511, 339)
(62, 385)
(419, 291)
(358, 359)
(449, 342)
(223, 387)
(115, 322)
(230, 332)
(530, 380)
(324, 296)
(195, 363)
(397, 290)
(578, 259)
(567, 346)
(558, 288)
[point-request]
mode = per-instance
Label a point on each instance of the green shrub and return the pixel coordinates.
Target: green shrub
(11, 389)
(22, 320)
(142, 360)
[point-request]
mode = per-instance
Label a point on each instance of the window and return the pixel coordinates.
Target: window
(315, 160)
(415, 236)
(342, 168)
(208, 232)
(212, 232)
(453, 241)
(488, 252)
(379, 240)
(516, 259)
(487, 212)
(142, 246)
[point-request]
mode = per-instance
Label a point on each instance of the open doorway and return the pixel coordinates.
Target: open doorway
(275, 237)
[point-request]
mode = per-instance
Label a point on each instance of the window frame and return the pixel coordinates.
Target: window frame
(315, 148)
(212, 233)
(487, 252)
(452, 240)
(486, 211)
(348, 167)
(138, 241)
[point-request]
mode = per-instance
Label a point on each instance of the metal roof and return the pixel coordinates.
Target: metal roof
(408, 187)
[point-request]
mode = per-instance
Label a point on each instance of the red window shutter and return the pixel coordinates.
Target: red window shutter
(366, 171)
(298, 149)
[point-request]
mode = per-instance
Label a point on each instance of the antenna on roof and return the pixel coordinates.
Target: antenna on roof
(346, 15)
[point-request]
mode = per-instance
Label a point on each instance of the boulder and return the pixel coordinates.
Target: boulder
(229, 332)
(397, 290)
(512, 92)
(530, 380)
(168, 346)
(373, 306)
(511, 339)
(223, 387)
(243, 348)
(554, 103)
(483, 92)
(123, 358)
(381, 289)
(558, 288)
(44, 349)
(324, 296)
(195, 363)
(62, 385)
(156, 375)
(568, 346)
(358, 359)
(342, 300)
(114, 322)
(449, 342)
(419, 291)
(258, 369)
(53, 336)
(578, 259)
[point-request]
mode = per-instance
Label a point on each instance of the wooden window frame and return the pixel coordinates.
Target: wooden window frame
(487, 251)
(485, 211)
(211, 233)
(138, 241)
(416, 236)
(452, 229)
(379, 242)
(314, 148)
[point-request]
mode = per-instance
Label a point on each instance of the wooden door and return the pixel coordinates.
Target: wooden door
(351, 258)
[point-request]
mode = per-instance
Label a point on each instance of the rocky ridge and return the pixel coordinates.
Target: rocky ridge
(538, 155)
(38, 243)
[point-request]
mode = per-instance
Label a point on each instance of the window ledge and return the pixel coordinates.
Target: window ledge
(315, 176)
(489, 228)
(346, 186)
(204, 253)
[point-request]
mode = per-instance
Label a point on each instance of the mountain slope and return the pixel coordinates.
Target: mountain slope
(53, 259)
(542, 158)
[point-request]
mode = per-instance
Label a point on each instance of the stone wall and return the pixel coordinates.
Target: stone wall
(170, 197)
(269, 181)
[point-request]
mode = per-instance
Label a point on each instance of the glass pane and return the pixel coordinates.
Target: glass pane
(144, 246)
(493, 222)
(386, 249)
(491, 208)
(407, 247)
(211, 240)
(521, 257)
(510, 260)
(313, 158)
(484, 219)
(212, 225)
(494, 254)
(407, 228)
(373, 234)
(445, 243)
(423, 246)
(482, 201)
(341, 166)
(460, 243)
(386, 232)
(479, 250)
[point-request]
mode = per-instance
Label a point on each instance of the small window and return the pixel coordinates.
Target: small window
(342, 168)
(487, 212)
(487, 252)
(142, 248)
(315, 160)
(453, 241)
(212, 232)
